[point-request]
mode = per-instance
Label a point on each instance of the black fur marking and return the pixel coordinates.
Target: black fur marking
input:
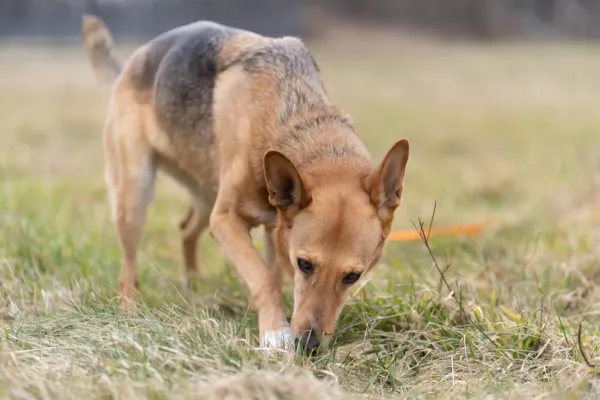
(143, 73)
(185, 78)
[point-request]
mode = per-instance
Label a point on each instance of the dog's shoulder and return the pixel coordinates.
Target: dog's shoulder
(286, 56)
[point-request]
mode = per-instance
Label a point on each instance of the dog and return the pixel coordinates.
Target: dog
(244, 122)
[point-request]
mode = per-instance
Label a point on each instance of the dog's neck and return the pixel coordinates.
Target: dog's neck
(314, 136)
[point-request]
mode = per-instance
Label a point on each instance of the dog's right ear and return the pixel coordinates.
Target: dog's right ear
(286, 189)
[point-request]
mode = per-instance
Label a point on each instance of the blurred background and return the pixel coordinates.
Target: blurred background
(488, 19)
(499, 99)
(477, 86)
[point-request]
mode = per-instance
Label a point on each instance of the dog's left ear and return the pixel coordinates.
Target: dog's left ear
(286, 189)
(385, 183)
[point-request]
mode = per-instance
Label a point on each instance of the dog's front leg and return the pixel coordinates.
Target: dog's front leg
(233, 235)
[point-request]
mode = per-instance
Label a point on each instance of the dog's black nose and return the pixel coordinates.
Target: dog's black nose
(308, 343)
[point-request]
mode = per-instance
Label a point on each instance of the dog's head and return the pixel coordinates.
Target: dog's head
(332, 232)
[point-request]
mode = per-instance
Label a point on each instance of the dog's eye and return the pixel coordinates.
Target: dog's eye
(351, 278)
(305, 266)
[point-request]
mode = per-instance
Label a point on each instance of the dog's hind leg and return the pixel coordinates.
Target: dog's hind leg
(269, 250)
(277, 266)
(191, 227)
(130, 175)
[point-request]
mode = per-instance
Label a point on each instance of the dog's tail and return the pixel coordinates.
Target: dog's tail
(98, 44)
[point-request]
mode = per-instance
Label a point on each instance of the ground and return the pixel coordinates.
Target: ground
(502, 134)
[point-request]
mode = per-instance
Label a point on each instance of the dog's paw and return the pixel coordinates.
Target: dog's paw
(278, 340)
(128, 305)
(191, 282)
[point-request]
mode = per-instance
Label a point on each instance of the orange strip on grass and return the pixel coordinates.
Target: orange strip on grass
(456, 230)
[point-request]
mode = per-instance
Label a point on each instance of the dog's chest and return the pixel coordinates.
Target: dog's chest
(257, 211)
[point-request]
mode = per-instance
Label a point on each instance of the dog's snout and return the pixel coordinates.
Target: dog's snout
(308, 342)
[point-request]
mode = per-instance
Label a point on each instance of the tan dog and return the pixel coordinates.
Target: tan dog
(243, 121)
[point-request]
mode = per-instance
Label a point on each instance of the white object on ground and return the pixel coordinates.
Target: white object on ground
(278, 340)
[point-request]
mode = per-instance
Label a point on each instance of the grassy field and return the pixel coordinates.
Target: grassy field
(507, 135)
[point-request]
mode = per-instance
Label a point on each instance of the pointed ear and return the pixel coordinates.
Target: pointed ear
(385, 183)
(286, 189)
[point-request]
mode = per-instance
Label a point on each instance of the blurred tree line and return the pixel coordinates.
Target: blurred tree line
(471, 18)
(482, 18)
(144, 18)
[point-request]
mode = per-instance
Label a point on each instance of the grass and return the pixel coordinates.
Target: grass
(505, 134)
